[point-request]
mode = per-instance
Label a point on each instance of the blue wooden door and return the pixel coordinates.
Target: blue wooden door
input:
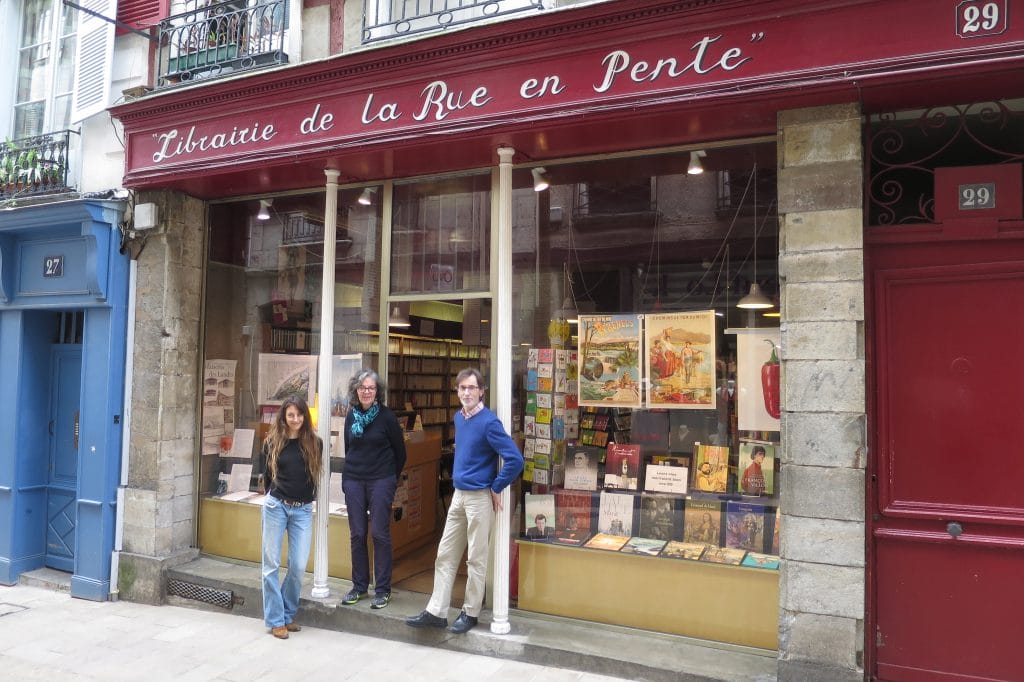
(62, 484)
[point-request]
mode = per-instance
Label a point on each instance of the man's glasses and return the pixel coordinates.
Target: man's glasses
(468, 389)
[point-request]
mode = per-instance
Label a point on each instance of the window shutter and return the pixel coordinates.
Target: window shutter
(141, 14)
(93, 57)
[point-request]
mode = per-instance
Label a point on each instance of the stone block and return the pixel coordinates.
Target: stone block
(823, 541)
(809, 671)
(821, 142)
(821, 187)
(837, 265)
(184, 485)
(823, 385)
(138, 539)
(823, 590)
(821, 640)
(825, 114)
(823, 492)
(809, 301)
(824, 439)
(840, 340)
(823, 230)
(182, 506)
(140, 578)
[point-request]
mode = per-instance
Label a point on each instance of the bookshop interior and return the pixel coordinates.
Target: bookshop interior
(645, 387)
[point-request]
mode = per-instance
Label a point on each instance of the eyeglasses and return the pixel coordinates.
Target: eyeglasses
(367, 389)
(468, 389)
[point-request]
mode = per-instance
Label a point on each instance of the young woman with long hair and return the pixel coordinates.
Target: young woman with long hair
(292, 455)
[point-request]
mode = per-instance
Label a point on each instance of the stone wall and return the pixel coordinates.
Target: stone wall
(821, 269)
(159, 503)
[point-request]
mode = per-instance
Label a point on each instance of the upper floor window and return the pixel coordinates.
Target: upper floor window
(46, 73)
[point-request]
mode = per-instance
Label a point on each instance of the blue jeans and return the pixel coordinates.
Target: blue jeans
(281, 600)
(374, 497)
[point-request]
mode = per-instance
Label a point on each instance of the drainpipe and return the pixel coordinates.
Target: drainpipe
(126, 429)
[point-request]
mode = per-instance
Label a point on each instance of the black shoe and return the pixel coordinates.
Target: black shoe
(426, 620)
(352, 597)
(463, 623)
(380, 600)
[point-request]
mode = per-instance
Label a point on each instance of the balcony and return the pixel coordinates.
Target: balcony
(33, 166)
(385, 19)
(220, 38)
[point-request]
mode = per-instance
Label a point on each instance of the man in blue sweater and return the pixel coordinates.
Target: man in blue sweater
(481, 445)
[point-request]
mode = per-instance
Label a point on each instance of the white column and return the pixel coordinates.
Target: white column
(501, 375)
(323, 383)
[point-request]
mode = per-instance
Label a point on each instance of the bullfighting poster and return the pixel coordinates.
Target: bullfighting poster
(680, 360)
(609, 360)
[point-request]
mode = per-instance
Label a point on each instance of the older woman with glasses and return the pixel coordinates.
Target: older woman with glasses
(374, 459)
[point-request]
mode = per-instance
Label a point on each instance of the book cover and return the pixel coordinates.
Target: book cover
(587, 437)
(540, 517)
(607, 542)
(711, 469)
(609, 360)
(531, 403)
(600, 438)
(544, 400)
(574, 517)
(680, 359)
(775, 531)
(744, 526)
(723, 555)
(758, 560)
(643, 546)
(757, 468)
(587, 421)
(661, 517)
(702, 522)
(545, 355)
(615, 513)
(622, 466)
(581, 469)
(545, 384)
(683, 550)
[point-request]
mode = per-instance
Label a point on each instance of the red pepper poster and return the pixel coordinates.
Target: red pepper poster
(758, 404)
(681, 360)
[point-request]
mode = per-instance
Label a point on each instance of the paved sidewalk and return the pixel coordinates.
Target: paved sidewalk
(48, 635)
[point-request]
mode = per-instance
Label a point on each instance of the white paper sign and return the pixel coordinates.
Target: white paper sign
(667, 479)
(239, 478)
(241, 444)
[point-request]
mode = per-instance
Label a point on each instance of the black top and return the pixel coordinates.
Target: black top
(292, 481)
(379, 452)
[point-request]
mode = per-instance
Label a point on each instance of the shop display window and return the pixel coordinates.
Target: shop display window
(646, 401)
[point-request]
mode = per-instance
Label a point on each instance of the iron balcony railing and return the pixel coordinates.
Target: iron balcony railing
(220, 38)
(35, 165)
(384, 19)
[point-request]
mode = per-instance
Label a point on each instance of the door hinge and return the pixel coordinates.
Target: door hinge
(879, 639)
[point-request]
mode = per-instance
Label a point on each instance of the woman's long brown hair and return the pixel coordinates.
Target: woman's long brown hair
(308, 442)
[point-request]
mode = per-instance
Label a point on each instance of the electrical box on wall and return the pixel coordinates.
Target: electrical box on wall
(991, 192)
(146, 216)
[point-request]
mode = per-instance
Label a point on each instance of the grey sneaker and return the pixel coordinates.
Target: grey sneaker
(352, 597)
(380, 600)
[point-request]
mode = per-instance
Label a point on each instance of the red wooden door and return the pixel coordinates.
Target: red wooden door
(946, 415)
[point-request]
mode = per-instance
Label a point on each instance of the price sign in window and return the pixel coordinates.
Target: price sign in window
(53, 266)
(977, 196)
(979, 18)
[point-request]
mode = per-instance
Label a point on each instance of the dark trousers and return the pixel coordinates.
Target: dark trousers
(373, 498)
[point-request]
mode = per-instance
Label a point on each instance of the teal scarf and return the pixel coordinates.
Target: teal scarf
(360, 419)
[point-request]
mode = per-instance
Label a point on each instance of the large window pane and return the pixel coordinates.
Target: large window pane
(441, 235)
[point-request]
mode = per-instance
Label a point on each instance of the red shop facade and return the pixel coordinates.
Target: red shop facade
(819, 82)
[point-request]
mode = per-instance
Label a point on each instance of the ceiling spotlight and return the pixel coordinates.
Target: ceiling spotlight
(540, 179)
(264, 212)
(366, 198)
(696, 167)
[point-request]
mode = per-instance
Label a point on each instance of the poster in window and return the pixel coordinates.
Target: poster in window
(680, 361)
(609, 357)
(286, 375)
(757, 379)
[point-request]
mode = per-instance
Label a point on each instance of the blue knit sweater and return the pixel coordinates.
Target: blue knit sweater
(479, 441)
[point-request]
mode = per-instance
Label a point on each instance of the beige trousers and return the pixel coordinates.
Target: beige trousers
(469, 522)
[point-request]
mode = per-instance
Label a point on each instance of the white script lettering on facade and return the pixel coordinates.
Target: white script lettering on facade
(531, 88)
(387, 112)
(436, 98)
(170, 146)
(315, 122)
(620, 61)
